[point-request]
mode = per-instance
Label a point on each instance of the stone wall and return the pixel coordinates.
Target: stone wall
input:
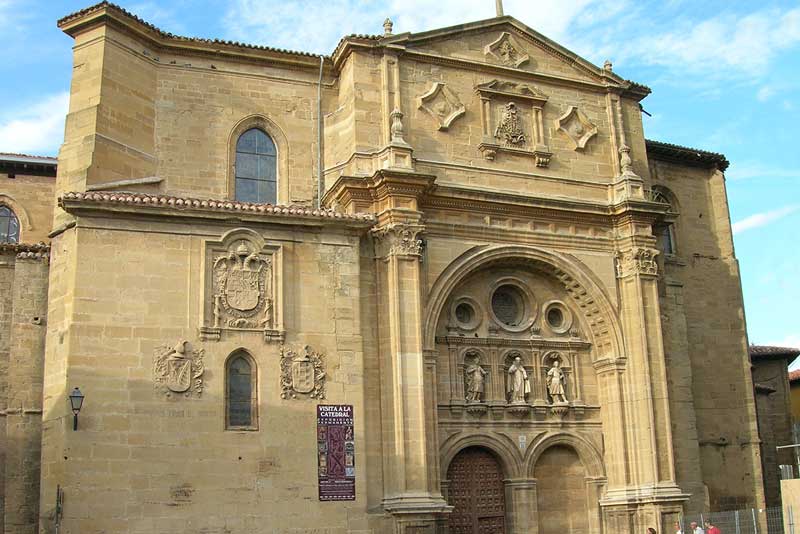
(32, 199)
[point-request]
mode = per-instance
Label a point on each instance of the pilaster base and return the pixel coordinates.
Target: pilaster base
(418, 514)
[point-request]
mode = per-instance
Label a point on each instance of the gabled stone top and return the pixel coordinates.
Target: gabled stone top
(69, 201)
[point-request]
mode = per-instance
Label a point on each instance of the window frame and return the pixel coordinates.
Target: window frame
(253, 426)
(280, 141)
(258, 155)
(12, 216)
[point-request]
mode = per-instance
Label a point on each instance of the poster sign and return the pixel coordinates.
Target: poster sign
(336, 452)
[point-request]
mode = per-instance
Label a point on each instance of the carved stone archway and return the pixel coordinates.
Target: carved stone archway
(580, 283)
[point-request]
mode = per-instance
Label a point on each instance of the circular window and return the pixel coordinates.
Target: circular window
(558, 317)
(464, 313)
(555, 317)
(508, 305)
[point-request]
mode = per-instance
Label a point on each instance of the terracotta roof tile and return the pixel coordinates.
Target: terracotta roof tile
(687, 154)
(30, 156)
(142, 199)
(794, 376)
(168, 35)
(766, 351)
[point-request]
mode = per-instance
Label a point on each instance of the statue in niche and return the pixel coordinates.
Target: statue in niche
(510, 127)
(476, 381)
(518, 386)
(555, 383)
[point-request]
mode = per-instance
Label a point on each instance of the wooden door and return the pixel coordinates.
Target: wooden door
(477, 493)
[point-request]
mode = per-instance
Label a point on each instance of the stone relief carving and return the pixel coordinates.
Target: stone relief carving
(443, 104)
(241, 287)
(510, 128)
(474, 378)
(518, 387)
(577, 126)
(399, 239)
(556, 381)
(638, 260)
(302, 374)
(511, 117)
(178, 369)
(506, 51)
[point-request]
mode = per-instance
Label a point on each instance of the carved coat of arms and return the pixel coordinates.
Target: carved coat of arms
(177, 369)
(241, 295)
(510, 127)
(302, 373)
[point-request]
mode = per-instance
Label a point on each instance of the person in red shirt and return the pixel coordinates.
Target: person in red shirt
(711, 529)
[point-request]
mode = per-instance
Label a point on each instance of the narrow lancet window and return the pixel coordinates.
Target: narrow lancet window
(240, 381)
(256, 168)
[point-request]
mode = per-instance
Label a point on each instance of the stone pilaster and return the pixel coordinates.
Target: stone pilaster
(521, 499)
(24, 393)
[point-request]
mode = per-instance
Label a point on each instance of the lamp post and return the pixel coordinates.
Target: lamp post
(76, 401)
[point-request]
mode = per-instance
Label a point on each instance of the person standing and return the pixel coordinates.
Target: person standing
(711, 528)
(696, 528)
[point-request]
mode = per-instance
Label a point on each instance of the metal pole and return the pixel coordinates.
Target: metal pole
(499, 5)
(791, 520)
(736, 518)
(755, 524)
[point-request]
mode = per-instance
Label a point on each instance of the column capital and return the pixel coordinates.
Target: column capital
(398, 239)
(636, 261)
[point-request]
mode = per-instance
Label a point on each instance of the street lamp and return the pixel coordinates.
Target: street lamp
(76, 401)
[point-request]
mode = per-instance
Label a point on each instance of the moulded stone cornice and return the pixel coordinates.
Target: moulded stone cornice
(403, 187)
(539, 343)
(79, 203)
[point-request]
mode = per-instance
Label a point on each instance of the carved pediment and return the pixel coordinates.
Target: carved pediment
(512, 89)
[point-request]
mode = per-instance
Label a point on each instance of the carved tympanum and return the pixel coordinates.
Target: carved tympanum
(178, 369)
(302, 374)
(443, 104)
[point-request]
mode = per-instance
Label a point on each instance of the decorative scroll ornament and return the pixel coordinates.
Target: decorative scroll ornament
(178, 369)
(636, 261)
(399, 240)
(302, 374)
(577, 126)
(506, 51)
(443, 104)
(510, 128)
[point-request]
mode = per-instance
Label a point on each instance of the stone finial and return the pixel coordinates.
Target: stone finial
(396, 128)
(608, 66)
(626, 163)
(387, 26)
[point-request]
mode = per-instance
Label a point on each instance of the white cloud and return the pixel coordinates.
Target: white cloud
(765, 93)
(762, 219)
(753, 169)
(38, 129)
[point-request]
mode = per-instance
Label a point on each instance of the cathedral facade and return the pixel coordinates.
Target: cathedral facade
(433, 281)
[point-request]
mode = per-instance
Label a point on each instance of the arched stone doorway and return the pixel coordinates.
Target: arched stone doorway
(476, 492)
(561, 496)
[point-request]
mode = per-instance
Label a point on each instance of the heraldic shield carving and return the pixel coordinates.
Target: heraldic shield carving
(178, 369)
(240, 288)
(302, 374)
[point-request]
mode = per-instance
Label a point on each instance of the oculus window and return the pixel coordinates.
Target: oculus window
(256, 168)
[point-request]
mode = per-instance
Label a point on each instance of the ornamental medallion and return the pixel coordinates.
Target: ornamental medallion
(302, 373)
(240, 279)
(178, 369)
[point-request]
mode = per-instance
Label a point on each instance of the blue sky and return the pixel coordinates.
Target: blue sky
(725, 77)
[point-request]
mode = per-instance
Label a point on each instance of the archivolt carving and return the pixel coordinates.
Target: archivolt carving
(503, 447)
(580, 284)
(590, 456)
(443, 104)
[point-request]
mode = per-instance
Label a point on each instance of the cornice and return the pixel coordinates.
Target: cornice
(143, 204)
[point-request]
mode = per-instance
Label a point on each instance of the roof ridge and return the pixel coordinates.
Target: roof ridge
(693, 154)
(21, 155)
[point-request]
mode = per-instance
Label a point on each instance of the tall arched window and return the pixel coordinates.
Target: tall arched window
(241, 403)
(665, 231)
(9, 226)
(256, 168)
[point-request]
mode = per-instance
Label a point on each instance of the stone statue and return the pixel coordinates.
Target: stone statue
(555, 383)
(518, 385)
(475, 382)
